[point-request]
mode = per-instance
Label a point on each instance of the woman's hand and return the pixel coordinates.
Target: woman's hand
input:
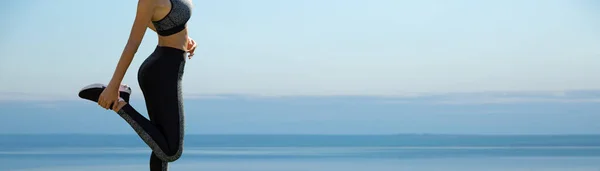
(191, 47)
(109, 97)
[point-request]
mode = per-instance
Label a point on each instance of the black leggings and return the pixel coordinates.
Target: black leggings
(159, 78)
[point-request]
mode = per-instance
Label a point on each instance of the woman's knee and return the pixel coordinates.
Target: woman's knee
(170, 156)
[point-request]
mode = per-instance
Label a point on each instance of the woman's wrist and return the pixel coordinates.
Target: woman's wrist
(114, 83)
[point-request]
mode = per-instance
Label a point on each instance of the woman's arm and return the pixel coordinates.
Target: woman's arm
(145, 10)
(151, 26)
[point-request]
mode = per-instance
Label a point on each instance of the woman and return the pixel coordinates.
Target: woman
(159, 78)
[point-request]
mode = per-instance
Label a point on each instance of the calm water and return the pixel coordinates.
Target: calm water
(307, 152)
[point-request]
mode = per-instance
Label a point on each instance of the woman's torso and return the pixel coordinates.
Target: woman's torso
(170, 20)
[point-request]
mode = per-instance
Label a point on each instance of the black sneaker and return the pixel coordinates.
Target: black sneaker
(92, 92)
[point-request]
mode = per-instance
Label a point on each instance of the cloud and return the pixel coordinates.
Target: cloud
(48, 105)
(201, 96)
(581, 96)
(587, 96)
(21, 96)
(515, 100)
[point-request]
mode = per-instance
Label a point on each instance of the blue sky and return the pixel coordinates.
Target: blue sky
(50, 49)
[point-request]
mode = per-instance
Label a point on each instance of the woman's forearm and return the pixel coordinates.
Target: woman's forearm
(123, 65)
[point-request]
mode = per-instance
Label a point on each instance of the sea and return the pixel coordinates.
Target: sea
(402, 152)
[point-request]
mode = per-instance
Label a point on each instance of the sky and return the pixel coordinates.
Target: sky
(297, 48)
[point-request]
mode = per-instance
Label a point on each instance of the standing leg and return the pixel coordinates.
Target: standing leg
(156, 164)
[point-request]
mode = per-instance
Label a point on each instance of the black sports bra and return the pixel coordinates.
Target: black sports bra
(176, 19)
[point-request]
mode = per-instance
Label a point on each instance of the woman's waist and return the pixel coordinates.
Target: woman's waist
(181, 44)
(178, 40)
